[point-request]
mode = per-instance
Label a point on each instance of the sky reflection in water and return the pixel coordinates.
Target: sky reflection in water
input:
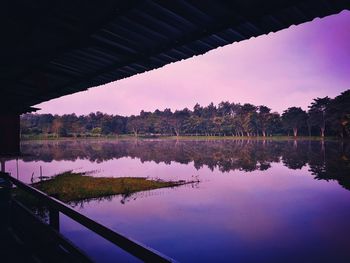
(258, 201)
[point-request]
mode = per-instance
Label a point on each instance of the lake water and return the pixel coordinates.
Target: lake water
(257, 201)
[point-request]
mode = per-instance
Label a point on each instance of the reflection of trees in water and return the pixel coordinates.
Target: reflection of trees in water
(333, 164)
(327, 160)
(294, 154)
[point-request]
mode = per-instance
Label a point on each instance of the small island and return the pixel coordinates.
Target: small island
(70, 186)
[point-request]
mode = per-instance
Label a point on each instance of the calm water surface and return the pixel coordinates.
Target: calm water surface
(257, 201)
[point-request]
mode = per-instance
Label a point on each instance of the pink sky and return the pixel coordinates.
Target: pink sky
(283, 69)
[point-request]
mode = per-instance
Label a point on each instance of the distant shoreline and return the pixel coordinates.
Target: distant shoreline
(183, 138)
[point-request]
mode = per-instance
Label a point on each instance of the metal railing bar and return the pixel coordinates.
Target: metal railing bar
(135, 248)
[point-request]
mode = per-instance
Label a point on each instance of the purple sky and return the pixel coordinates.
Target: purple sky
(283, 69)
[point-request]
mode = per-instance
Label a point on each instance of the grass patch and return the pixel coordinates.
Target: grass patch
(71, 186)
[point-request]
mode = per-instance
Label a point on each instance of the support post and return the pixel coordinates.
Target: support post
(9, 133)
(5, 197)
(54, 219)
(2, 161)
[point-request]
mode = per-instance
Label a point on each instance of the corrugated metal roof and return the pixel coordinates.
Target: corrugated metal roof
(50, 49)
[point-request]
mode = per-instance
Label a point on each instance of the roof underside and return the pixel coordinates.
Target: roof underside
(54, 48)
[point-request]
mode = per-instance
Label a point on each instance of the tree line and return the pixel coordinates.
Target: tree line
(325, 117)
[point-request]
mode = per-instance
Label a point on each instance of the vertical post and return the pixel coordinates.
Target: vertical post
(17, 172)
(5, 201)
(54, 219)
(2, 165)
(9, 133)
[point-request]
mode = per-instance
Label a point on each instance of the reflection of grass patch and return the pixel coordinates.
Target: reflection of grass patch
(71, 186)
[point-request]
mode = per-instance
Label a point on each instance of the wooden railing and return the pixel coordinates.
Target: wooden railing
(55, 207)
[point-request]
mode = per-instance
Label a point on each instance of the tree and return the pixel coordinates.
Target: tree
(44, 122)
(317, 113)
(57, 125)
(193, 124)
(135, 124)
(274, 125)
(209, 111)
(96, 131)
(338, 114)
(197, 110)
(62, 132)
(224, 109)
(217, 125)
(248, 119)
(263, 119)
(294, 118)
(178, 119)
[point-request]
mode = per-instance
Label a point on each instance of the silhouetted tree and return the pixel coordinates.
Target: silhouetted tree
(263, 119)
(338, 114)
(294, 118)
(317, 113)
